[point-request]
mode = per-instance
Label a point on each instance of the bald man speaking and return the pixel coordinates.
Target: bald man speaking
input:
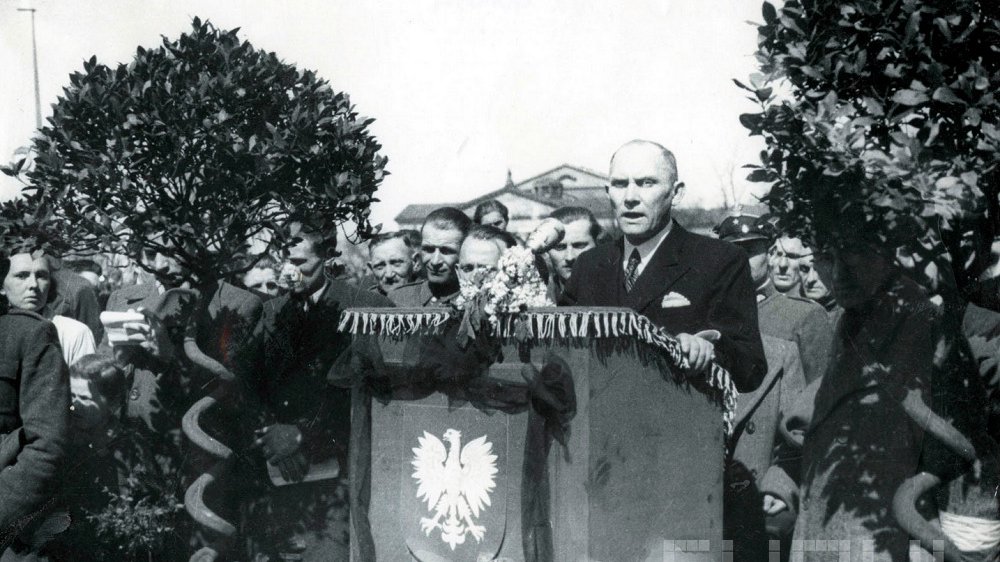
(697, 288)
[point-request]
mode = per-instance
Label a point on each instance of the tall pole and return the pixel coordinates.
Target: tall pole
(34, 58)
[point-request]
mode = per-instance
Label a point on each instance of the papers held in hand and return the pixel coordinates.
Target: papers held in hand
(114, 326)
(329, 468)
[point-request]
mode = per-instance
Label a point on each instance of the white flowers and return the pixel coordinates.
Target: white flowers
(513, 287)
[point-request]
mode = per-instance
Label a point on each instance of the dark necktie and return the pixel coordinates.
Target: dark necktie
(632, 270)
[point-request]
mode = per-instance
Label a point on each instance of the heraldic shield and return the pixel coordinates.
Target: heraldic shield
(455, 488)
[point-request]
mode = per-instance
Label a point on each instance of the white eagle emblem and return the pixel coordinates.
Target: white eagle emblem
(456, 484)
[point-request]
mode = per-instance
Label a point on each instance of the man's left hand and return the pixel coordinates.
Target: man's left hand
(278, 441)
(699, 351)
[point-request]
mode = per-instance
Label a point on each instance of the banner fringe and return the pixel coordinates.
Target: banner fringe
(547, 325)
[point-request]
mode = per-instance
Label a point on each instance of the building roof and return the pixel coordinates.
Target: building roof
(587, 191)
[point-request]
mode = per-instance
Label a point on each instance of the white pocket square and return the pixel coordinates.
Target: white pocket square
(674, 300)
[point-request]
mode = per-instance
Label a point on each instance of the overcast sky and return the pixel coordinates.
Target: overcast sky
(461, 90)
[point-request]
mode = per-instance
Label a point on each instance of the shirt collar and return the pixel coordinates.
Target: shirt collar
(647, 248)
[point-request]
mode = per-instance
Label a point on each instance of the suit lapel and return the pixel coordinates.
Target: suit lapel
(612, 287)
(663, 270)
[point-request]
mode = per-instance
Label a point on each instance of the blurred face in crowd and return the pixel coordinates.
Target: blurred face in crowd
(477, 258)
(439, 253)
(90, 410)
(813, 286)
(757, 254)
(393, 264)
(495, 219)
(91, 277)
(576, 240)
(302, 271)
(783, 259)
(642, 189)
(262, 279)
(858, 274)
(166, 269)
(26, 285)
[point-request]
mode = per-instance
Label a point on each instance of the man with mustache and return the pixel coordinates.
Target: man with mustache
(697, 288)
(442, 234)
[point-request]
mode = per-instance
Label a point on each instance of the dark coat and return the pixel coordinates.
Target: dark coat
(34, 418)
(713, 275)
(226, 318)
(298, 348)
(859, 445)
(801, 321)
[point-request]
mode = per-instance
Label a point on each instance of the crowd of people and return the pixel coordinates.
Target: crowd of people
(825, 346)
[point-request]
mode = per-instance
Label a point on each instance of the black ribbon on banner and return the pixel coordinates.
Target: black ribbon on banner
(460, 369)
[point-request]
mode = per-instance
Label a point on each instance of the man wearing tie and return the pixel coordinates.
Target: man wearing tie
(697, 288)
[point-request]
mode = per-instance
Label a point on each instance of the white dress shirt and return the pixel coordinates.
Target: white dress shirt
(646, 250)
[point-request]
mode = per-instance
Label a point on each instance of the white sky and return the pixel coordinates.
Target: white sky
(462, 90)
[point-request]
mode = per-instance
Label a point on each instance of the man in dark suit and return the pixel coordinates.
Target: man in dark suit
(307, 417)
(697, 288)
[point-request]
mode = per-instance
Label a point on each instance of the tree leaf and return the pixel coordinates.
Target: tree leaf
(910, 97)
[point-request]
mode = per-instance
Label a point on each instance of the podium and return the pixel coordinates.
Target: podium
(566, 435)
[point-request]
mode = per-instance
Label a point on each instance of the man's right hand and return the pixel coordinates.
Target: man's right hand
(773, 505)
(698, 351)
(152, 337)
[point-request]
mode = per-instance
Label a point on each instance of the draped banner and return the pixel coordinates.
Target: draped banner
(558, 435)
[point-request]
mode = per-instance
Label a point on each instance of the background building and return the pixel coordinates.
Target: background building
(533, 199)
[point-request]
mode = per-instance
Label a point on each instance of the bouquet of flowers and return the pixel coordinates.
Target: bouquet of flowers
(511, 288)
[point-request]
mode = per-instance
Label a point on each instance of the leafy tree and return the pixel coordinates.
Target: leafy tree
(881, 119)
(198, 146)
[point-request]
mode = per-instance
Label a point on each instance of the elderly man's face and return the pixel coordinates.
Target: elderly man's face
(392, 264)
(642, 190)
(783, 260)
(813, 286)
(477, 259)
(27, 283)
(439, 252)
(262, 279)
(576, 241)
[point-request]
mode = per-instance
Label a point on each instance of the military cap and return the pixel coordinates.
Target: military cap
(741, 228)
